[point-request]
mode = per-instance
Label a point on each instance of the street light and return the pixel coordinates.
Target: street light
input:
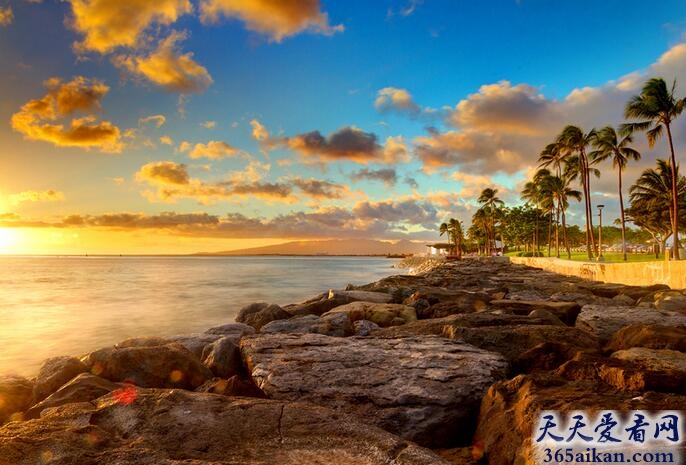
(600, 233)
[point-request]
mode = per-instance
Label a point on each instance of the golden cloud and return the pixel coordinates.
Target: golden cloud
(37, 196)
(321, 190)
(395, 99)
(259, 132)
(166, 140)
(37, 119)
(277, 19)
(173, 182)
(209, 124)
(168, 68)
(214, 150)
(6, 16)
(107, 24)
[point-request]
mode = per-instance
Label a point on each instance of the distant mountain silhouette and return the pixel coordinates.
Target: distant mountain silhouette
(333, 247)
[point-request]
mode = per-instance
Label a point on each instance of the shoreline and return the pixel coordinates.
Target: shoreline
(486, 327)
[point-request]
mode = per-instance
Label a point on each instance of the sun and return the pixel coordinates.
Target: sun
(8, 240)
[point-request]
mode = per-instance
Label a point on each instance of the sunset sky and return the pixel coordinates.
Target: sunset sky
(179, 126)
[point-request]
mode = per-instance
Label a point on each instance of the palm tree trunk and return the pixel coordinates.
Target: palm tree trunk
(675, 196)
(557, 231)
(584, 174)
(550, 230)
(621, 212)
(589, 208)
(564, 236)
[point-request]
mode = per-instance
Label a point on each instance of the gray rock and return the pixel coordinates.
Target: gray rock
(624, 299)
(363, 296)
(337, 324)
(260, 313)
(426, 389)
(54, 373)
(604, 321)
(223, 357)
(233, 330)
(175, 427)
(565, 311)
(365, 327)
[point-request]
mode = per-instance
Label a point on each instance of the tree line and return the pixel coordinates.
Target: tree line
(566, 168)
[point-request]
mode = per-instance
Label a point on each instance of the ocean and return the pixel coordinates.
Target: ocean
(52, 306)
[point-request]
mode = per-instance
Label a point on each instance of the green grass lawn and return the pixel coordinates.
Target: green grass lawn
(610, 257)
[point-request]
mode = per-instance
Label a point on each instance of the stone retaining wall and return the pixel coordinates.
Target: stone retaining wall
(671, 273)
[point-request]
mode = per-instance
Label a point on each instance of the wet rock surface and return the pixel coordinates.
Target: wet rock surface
(462, 357)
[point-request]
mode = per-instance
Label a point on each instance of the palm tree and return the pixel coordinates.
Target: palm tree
(453, 229)
(652, 191)
(532, 194)
(553, 154)
(656, 108)
(573, 140)
(489, 200)
(609, 145)
(547, 202)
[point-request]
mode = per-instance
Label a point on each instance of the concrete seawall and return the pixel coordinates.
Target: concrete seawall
(671, 273)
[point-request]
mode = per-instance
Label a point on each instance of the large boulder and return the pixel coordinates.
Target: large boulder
(604, 321)
(16, 395)
(234, 386)
(170, 365)
(83, 388)
(424, 389)
(649, 336)
(669, 366)
(336, 324)
(382, 314)
(175, 427)
(54, 373)
(260, 313)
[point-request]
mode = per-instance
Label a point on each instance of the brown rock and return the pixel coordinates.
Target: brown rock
(260, 313)
(234, 386)
(54, 373)
(382, 314)
(223, 358)
(510, 411)
(673, 301)
(513, 342)
(83, 388)
(149, 341)
(604, 320)
(565, 311)
(16, 395)
(434, 302)
(174, 427)
(336, 324)
(171, 365)
(649, 336)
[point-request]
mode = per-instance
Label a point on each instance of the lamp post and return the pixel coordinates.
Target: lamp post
(600, 233)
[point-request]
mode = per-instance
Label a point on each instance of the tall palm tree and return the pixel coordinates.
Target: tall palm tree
(453, 229)
(562, 192)
(652, 191)
(532, 194)
(489, 201)
(542, 179)
(655, 108)
(553, 154)
(610, 145)
(574, 140)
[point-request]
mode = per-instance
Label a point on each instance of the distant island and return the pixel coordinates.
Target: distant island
(332, 247)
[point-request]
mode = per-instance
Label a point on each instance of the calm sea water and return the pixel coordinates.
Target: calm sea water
(71, 305)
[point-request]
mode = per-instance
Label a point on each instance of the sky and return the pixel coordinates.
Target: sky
(181, 126)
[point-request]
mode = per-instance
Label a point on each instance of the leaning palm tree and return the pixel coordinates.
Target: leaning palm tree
(655, 108)
(489, 201)
(532, 194)
(610, 145)
(563, 192)
(542, 178)
(653, 191)
(573, 140)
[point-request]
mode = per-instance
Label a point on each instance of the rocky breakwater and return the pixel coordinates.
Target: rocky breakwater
(459, 359)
